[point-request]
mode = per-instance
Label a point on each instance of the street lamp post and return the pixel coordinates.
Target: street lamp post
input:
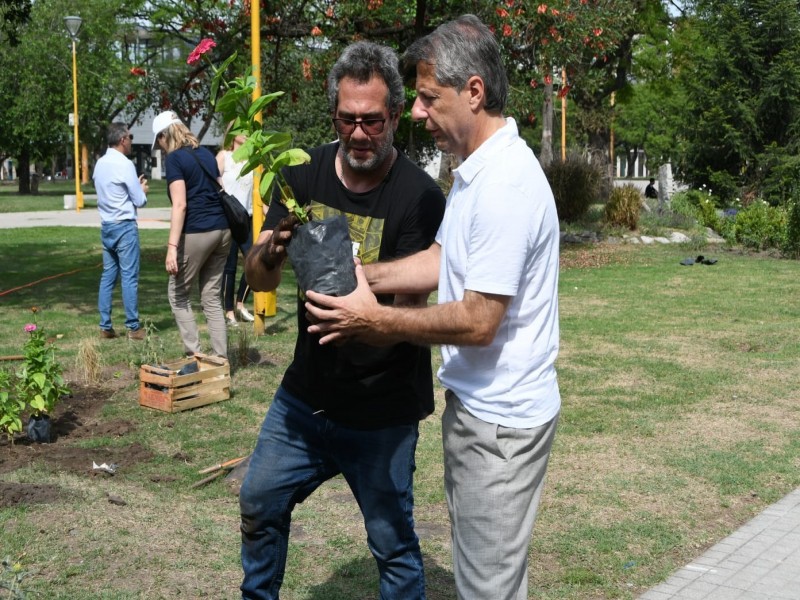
(73, 26)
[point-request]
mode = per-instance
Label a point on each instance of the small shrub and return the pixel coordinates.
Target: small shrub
(685, 203)
(623, 207)
(11, 407)
(40, 383)
(791, 245)
(149, 351)
(760, 226)
(576, 185)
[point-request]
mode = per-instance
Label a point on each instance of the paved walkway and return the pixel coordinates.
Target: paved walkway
(149, 218)
(759, 561)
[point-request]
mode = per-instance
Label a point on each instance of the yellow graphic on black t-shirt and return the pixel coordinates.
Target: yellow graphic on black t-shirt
(366, 232)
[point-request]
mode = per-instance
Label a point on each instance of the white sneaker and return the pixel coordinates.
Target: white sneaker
(231, 321)
(246, 316)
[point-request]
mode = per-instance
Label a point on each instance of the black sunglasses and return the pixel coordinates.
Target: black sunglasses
(368, 126)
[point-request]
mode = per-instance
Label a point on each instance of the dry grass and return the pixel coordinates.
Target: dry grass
(678, 424)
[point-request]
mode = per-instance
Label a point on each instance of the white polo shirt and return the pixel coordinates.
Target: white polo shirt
(500, 235)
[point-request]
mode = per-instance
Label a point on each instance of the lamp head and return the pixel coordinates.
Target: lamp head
(73, 24)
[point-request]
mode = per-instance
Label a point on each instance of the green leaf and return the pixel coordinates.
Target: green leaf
(291, 158)
(267, 180)
(259, 104)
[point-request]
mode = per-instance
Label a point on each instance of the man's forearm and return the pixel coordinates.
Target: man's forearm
(414, 274)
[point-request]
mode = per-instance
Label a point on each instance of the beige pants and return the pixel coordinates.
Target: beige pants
(201, 258)
(493, 477)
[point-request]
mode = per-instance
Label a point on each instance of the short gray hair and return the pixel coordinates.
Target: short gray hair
(116, 133)
(459, 49)
(361, 61)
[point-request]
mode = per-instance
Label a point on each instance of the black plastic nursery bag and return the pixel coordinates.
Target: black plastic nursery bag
(322, 257)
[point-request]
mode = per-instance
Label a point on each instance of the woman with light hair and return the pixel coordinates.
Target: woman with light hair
(199, 237)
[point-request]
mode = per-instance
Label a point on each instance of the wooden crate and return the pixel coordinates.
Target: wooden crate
(164, 389)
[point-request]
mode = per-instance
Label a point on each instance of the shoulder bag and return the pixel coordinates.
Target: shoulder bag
(235, 213)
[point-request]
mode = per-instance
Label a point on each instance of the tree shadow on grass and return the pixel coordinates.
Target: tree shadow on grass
(358, 580)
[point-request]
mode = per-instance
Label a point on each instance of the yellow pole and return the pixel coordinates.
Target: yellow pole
(77, 163)
(265, 303)
(563, 116)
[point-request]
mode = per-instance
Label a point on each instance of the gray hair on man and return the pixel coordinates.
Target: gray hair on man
(458, 50)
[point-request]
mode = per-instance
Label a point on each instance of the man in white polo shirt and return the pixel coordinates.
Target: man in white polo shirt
(119, 193)
(495, 262)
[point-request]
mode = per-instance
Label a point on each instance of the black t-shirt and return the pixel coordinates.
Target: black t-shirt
(359, 385)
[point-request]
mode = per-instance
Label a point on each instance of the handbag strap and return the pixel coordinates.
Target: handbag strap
(206, 171)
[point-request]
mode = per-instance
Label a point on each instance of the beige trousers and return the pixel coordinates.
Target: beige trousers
(201, 259)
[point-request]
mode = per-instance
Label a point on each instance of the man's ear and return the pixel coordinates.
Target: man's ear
(477, 92)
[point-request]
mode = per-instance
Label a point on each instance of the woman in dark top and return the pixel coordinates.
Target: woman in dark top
(199, 238)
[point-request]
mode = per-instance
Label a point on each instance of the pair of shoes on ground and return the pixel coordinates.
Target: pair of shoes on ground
(700, 260)
(133, 334)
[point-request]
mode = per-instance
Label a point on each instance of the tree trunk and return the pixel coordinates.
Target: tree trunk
(546, 155)
(630, 156)
(23, 171)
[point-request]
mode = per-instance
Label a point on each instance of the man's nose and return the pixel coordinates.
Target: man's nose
(417, 111)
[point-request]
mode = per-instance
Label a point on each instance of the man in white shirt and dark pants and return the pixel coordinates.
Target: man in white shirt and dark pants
(119, 193)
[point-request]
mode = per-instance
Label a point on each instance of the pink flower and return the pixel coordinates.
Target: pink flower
(315, 31)
(204, 46)
(542, 9)
(30, 327)
(507, 31)
(501, 12)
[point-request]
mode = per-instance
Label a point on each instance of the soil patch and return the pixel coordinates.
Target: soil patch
(75, 418)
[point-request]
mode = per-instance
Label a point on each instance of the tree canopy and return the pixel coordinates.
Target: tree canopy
(710, 85)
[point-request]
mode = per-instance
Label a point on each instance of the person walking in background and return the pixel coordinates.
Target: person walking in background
(199, 237)
(352, 409)
(119, 193)
(495, 260)
(242, 188)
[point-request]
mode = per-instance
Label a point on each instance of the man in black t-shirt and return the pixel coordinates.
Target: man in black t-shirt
(351, 409)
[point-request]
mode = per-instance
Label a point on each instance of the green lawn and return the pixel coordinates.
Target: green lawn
(679, 423)
(51, 196)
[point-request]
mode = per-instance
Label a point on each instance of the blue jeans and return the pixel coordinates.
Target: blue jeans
(120, 259)
(296, 452)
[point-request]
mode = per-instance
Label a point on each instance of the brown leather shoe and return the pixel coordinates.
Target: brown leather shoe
(108, 334)
(137, 334)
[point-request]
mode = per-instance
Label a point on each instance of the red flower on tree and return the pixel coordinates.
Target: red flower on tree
(204, 46)
(501, 12)
(507, 31)
(542, 9)
(315, 31)
(138, 71)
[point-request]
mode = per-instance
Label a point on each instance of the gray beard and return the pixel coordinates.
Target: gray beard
(381, 153)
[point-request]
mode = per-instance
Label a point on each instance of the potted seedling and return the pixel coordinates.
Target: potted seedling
(320, 251)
